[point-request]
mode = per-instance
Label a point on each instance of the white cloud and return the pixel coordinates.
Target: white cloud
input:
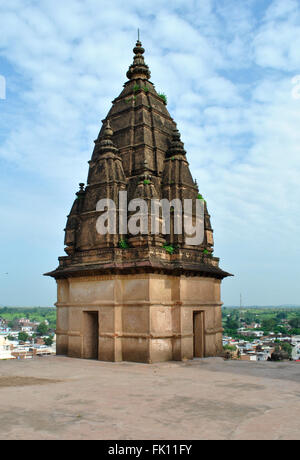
(227, 75)
(282, 10)
(277, 42)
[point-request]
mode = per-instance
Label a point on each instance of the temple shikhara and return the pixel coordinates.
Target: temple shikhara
(146, 297)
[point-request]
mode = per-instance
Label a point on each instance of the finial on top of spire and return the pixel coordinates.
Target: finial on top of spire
(81, 191)
(105, 141)
(138, 69)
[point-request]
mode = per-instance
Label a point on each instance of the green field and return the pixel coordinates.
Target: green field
(284, 320)
(38, 314)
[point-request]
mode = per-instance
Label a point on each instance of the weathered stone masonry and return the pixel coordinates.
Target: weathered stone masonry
(138, 302)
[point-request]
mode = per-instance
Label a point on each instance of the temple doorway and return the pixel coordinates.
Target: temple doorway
(198, 329)
(91, 335)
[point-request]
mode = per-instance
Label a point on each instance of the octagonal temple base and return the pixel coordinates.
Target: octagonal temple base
(142, 318)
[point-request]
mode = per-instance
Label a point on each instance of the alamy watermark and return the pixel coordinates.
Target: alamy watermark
(2, 87)
(139, 217)
(296, 88)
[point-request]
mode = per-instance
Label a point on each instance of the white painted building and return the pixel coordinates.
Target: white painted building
(5, 352)
(295, 342)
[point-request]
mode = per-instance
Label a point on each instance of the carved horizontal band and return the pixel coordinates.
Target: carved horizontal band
(128, 335)
(132, 303)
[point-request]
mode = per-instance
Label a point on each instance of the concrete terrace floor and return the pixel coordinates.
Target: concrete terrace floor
(64, 398)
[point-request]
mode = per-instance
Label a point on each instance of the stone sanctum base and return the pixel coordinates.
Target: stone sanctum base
(143, 318)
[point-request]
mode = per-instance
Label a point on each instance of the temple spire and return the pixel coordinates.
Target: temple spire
(176, 145)
(138, 69)
(105, 143)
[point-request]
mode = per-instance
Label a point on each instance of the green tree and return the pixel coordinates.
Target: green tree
(287, 347)
(269, 324)
(42, 329)
(229, 347)
(281, 315)
(250, 318)
(295, 322)
(280, 329)
(232, 323)
(23, 336)
(48, 341)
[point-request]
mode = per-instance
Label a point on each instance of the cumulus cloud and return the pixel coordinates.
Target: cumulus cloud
(277, 41)
(226, 68)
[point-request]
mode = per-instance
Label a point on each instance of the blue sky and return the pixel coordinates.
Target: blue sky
(227, 69)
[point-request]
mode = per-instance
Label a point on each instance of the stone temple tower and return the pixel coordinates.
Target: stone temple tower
(145, 297)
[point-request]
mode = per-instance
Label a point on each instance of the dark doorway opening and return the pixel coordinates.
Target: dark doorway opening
(91, 335)
(198, 329)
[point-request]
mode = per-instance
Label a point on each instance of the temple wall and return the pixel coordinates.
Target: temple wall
(142, 318)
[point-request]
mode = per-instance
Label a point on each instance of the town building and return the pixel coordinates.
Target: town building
(5, 348)
(295, 342)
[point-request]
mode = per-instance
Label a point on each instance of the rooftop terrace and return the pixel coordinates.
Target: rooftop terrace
(64, 398)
